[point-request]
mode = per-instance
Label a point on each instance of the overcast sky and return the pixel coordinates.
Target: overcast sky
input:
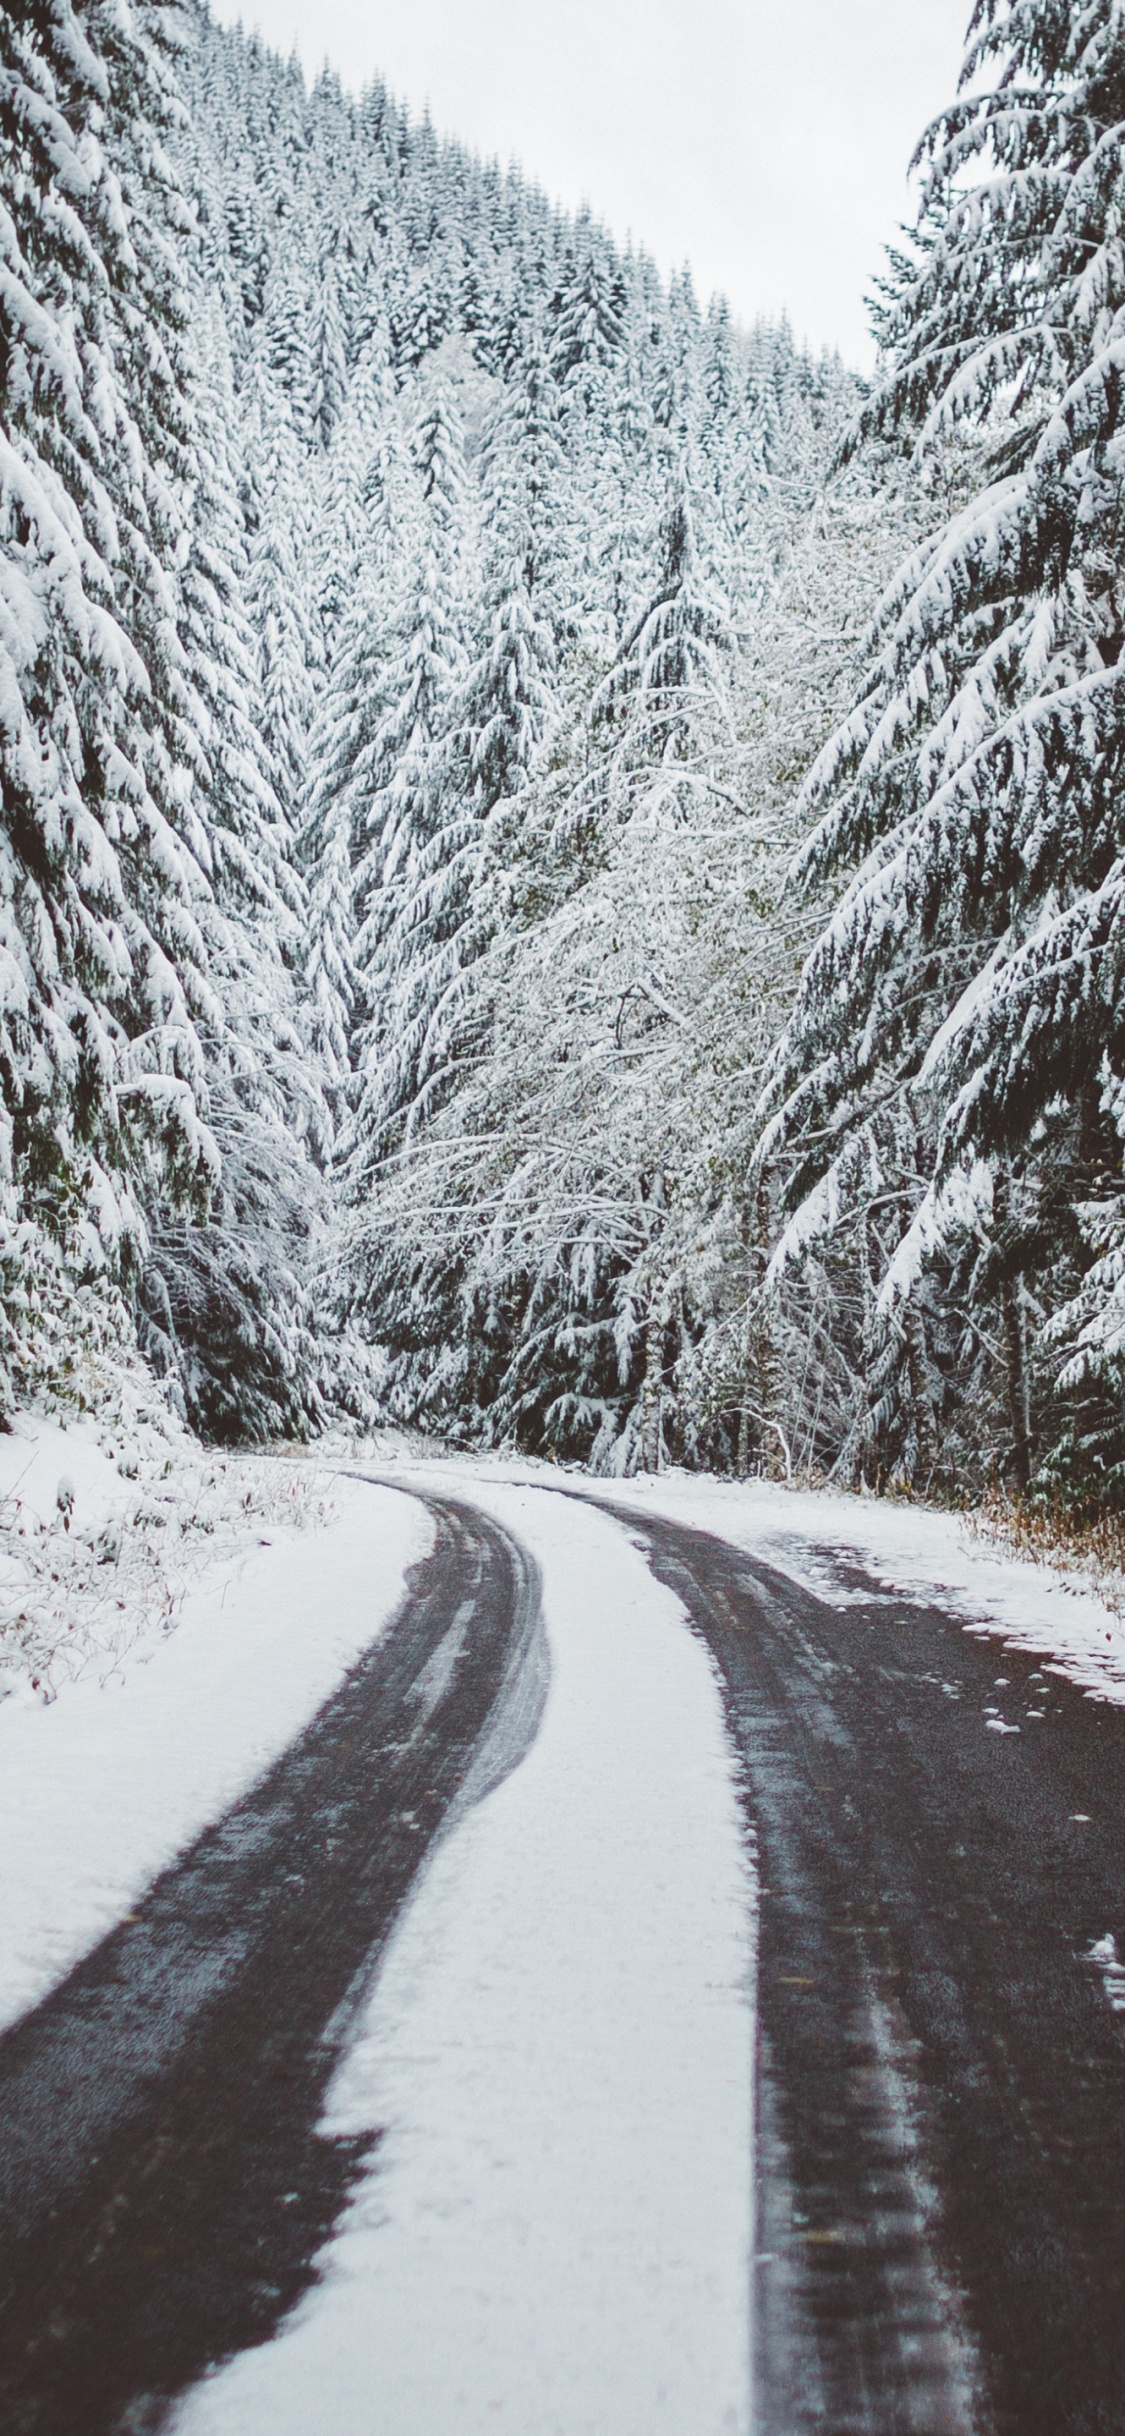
(764, 141)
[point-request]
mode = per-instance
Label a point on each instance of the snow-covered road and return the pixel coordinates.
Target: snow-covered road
(555, 2227)
(555, 2233)
(536, 2152)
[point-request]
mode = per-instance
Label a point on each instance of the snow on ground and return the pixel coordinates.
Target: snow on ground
(554, 2235)
(106, 1516)
(103, 1786)
(913, 1552)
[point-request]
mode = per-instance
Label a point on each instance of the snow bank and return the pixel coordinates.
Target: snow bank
(105, 1519)
(911, 1552)
(555, 2232)
(101, 1788)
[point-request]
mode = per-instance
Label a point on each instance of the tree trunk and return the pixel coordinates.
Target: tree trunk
(652, 1393)
(765, 1351)
(1019, 1389)
(863, 1429)
(925, 1423)
(1017, 1381)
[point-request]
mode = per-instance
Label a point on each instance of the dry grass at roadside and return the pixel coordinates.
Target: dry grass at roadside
(1092, 1550)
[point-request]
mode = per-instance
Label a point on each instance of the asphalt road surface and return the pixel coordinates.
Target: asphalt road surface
(163, 2183)
(941, 2066)
(941, 2073)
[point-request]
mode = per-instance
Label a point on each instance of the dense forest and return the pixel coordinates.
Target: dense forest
(562, 872)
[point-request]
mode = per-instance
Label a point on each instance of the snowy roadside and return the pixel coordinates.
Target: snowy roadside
(107, 1517)
(554, 2233)
(101, 1786)
(915, 1553)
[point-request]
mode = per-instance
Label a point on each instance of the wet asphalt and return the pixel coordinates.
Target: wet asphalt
(939, 1833)
(941, 2051)
(164, 2186)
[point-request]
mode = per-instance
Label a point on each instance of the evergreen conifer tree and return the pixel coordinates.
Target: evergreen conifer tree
(104, 854)
(972, 971)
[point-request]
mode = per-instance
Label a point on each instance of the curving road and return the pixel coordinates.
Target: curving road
(940, 1837)
(941, 2069)
(163, 2184)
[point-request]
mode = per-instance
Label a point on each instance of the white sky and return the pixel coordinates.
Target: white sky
(764, 141)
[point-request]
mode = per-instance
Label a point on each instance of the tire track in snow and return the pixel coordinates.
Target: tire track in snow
(164, 2187)
(941, 2058)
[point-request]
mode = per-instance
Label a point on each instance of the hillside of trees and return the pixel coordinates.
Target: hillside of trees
(562, 870)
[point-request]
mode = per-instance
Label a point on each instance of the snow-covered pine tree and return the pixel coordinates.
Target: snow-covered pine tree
(225, 1299)
(366, 517)
(460, 746)
(455, 745)
(586, 312)
(670, 663)
(439, 460)
(508, 698)
(328, 349)
(524, 930)
(360, 486)
(103, 854)
(973, 970)
(409, 825)
(288, 334)
(278, 582)
(392, 775)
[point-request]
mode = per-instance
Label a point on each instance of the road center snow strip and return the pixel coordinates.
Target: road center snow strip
(555, 2234)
